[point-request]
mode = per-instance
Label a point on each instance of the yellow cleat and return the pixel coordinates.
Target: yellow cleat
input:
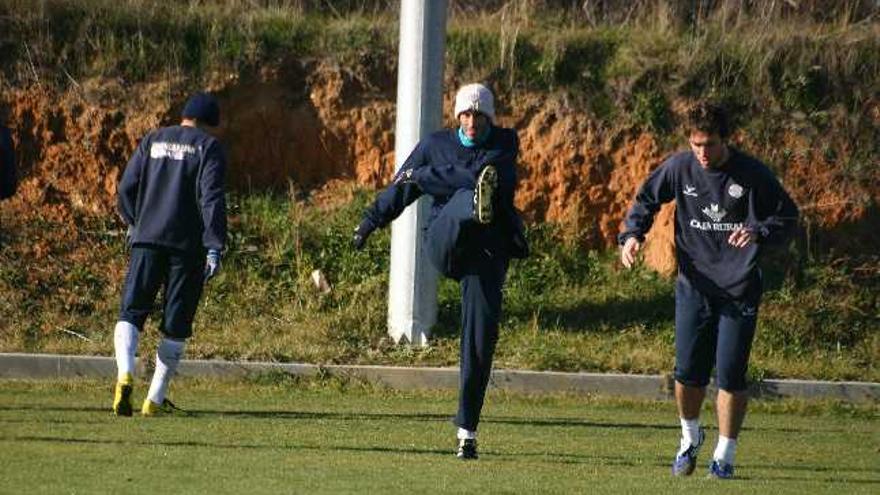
(167, 407)
(122, 397)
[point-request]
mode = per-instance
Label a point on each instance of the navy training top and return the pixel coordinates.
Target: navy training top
(710, 205)
(172, 190)
(8, 180)
(441, 165)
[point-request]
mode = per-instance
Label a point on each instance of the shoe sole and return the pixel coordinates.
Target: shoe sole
(487, 183)
(123, 406)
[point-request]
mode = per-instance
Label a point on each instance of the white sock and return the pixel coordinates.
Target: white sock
(125, 342)
(466, 434)
(690, 433)
(167, 358)
(726, 450)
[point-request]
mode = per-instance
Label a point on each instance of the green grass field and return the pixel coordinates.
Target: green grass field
(276, 435)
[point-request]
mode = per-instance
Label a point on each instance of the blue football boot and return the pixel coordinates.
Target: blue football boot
(686, 461)
(720, 470)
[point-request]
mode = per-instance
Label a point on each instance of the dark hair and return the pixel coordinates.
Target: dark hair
(708, 117)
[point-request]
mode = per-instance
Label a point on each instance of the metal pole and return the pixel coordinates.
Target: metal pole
(412, 288)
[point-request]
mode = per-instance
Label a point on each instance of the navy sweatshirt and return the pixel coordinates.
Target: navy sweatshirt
(8, 179)
(710, 205)
(172, 190)
(441, 165)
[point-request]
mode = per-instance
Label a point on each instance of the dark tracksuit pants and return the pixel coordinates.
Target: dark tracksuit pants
(182, 275)
(454, 245)
(713, 331)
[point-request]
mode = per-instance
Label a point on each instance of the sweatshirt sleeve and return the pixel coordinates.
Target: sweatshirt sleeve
(657, 189)
(8, 180)
(402, 192)
(212, 197)
(128, 187)
(775, 212)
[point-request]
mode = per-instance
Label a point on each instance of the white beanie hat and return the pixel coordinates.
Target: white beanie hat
(475, 97)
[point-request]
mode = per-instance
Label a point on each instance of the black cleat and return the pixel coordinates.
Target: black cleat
(467, 449)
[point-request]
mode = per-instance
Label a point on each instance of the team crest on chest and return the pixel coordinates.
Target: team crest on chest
(735, 190)
(715, 212)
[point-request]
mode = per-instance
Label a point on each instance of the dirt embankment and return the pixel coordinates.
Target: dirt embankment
(310, 124)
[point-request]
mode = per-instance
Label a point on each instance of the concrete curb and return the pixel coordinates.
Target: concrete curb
(43, 366)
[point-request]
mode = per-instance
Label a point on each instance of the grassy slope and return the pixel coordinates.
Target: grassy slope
(275, 437)
(565, 308)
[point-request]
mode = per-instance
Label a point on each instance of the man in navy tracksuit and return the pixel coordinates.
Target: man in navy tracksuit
(473, 231)
(728, 207)
(8, 179)
(172, 197)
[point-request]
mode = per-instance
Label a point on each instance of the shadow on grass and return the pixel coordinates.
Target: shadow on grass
(215, 445)
(498, 455)
(609, 316)
(345, 416)
(579, 317)
(368, 416)
(859, 481)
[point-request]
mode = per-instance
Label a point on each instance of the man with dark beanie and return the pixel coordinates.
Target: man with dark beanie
(728, 207)
(473, 231)
(172, 197)
(8, 176)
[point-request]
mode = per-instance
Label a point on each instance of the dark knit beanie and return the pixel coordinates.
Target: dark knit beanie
(204, 108)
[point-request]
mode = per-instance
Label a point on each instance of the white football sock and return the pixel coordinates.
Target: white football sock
(464, 434)
(167, 358)
(125, 342)
(726, 450)
(690, 433)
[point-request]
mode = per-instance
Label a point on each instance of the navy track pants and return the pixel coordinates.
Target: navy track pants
(455, 245)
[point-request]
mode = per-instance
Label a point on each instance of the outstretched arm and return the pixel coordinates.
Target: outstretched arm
(402, 192)
(656, 190)
(8, 180)
(391, 202)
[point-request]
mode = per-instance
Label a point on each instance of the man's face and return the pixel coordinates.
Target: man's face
(473, 123)
(708, 148)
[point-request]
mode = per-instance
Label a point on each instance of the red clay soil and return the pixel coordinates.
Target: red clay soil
(317, 125)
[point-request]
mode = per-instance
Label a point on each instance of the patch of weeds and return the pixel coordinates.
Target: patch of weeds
(473, 52)
(721, 75)
(651, 111)
(800, 89)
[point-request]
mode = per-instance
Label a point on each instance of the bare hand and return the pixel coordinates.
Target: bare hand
(628, 252)
(742, 237)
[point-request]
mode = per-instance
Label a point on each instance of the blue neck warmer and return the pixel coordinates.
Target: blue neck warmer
(470, 143)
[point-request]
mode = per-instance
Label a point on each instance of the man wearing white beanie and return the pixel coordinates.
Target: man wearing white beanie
(473, 231)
